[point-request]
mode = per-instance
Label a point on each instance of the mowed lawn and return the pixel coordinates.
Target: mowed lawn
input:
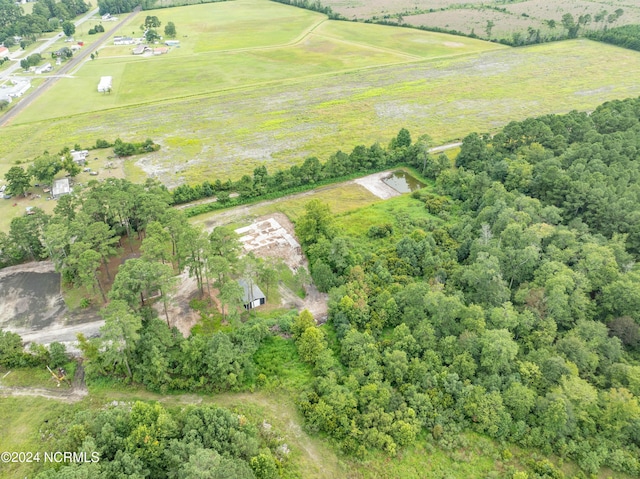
(238, 44)
(410, 41)
(164, 77)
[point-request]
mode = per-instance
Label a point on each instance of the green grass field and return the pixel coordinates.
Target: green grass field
(341, 198)
(255, 82)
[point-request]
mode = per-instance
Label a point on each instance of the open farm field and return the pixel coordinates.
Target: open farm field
(409, 41)
(473, 15)
(471, 20)
(235, 44)
(149, 80)
(227, 133)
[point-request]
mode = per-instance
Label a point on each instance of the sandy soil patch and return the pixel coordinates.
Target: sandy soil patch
(274, 237)
(375, 185)
(270, 238)
(180, 313)
(453, 44)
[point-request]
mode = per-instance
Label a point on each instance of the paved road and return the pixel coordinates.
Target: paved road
(19, 55)
(67, 67)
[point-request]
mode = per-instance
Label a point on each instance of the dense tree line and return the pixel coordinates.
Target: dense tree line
(400, 151)
(313, 5)
(142, 440)
(510, 307)
(46, 16)
(115, 7)
(627, 36)
(13, 355)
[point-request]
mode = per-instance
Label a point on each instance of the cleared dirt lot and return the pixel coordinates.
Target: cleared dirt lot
(32, 306)
(274, 237)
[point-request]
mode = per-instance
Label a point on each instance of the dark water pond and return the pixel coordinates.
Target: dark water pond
(403, 182)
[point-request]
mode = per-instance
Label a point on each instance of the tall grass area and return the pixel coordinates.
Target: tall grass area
(229, 133)
(340, 197)
(20, 420)
(277, 359)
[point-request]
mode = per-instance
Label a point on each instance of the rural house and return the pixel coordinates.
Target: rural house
(252, 297)
(60, 187)
(139, 50)
(79, 157)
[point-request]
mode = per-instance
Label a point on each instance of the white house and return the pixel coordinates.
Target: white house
(79, 157)
(123, 41)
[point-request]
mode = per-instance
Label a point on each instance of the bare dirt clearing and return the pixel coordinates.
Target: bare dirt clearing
(33, 307)
(180, 313)
(268, 238)
(274, 237)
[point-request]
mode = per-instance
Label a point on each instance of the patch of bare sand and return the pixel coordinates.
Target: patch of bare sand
(180, 313)
(273, 236)
(375, 185)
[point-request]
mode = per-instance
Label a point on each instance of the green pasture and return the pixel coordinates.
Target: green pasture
(410, 41)
(279, 98)
(232, 25)
(148, 79)
(20, 420)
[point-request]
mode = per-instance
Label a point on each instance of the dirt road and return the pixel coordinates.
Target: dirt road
(76, 392)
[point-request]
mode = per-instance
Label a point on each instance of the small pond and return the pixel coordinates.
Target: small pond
(403, 182)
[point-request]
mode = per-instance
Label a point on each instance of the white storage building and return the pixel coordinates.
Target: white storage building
(105, 84)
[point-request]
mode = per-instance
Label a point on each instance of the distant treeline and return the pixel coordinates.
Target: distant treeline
(627, 36)
(115, 7)
(314, 6)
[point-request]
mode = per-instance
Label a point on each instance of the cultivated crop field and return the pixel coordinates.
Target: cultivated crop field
(473, 15)
(242, 91)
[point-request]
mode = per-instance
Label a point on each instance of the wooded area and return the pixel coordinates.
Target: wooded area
(508, 305)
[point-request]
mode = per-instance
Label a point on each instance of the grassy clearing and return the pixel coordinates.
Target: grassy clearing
(33, 377)
(278, 360)
(400, 212)
(229, 133)
(413, 42)
(145, 80)
(20, 420)
(340, 197)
